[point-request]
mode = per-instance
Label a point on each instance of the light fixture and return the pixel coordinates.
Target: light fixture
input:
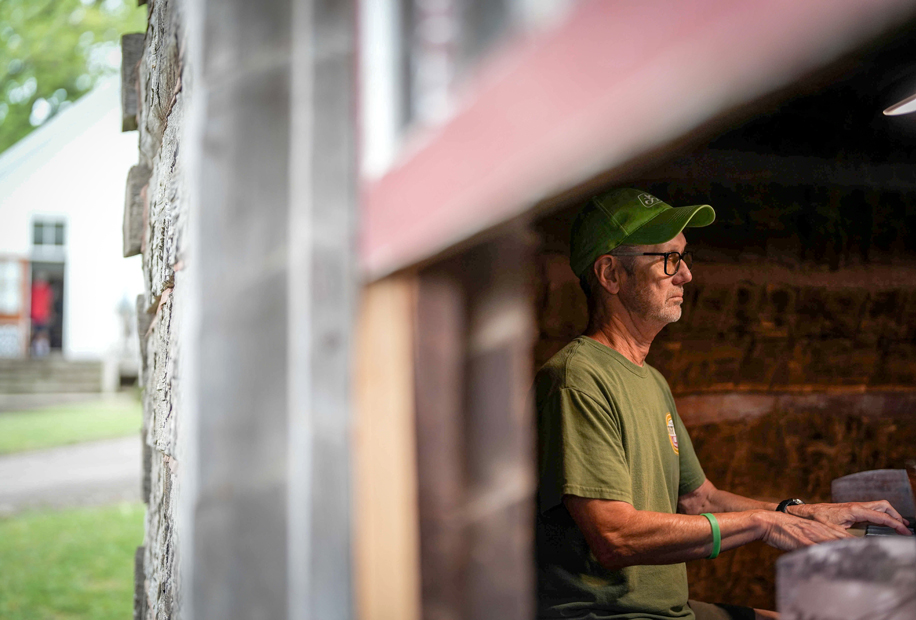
(903, 107)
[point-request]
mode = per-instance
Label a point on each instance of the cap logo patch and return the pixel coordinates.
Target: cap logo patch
(648, 200)
(672, 436)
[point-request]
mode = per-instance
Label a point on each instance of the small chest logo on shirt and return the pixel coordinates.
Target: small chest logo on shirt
(672, 436)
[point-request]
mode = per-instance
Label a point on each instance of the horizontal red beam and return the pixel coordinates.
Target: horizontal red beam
(611, 82)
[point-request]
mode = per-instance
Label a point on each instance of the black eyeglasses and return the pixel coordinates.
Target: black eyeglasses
(673, 260)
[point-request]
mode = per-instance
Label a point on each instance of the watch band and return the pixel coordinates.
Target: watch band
(788, 502)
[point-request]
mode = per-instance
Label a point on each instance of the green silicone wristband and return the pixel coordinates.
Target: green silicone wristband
(716, 535)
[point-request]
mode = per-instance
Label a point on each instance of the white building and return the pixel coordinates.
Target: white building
(61, 205)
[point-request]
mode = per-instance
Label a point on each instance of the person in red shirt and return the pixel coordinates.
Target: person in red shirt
(41, 314)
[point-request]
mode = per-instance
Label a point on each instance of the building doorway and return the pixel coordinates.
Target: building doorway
(47, 308)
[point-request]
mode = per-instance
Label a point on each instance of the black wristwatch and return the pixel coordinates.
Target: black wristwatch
(788, 502)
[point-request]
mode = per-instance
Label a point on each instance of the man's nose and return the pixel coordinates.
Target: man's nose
(683, 275)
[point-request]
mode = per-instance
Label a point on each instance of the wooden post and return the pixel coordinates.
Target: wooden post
(440, 441)
(475, 434)
(500, 440)
(386, 534)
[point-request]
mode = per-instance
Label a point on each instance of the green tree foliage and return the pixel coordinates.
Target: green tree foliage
(54, 51)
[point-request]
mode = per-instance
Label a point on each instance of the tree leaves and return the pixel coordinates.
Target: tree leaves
(54, 51)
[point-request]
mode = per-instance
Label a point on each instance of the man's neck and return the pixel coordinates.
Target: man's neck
(625, 336)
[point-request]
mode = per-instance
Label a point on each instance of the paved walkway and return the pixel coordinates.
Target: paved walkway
(92, 473)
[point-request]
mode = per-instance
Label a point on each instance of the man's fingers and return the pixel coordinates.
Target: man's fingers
(885, 507)
(880, 518)
(821, 532)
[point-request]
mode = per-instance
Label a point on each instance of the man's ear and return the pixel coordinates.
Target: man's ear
(608, 271)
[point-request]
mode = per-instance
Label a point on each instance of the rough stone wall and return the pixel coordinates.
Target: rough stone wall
(795, 360)
(162, 235)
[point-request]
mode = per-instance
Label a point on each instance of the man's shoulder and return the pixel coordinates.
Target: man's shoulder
(575, 366)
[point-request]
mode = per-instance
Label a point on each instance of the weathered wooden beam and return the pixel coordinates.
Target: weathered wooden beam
(386, 531)
(747, 167)
(499, 431)
(735, 405)
(322, 304)
(439, 368)
(131, 53)
(475, 447)
(133, 225)
(237, 479)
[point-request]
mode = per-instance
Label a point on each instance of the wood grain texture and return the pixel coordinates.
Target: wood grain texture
(386, 521)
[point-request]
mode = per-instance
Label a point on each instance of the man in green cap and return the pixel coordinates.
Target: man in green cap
(622, 500)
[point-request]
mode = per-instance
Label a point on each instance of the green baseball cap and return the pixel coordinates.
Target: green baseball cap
(628, 217)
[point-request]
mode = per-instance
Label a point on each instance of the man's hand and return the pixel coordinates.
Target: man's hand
(845, 515)
(788, 533)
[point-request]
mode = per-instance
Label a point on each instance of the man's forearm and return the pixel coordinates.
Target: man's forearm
(628, 537)
(620, 536)
(707, 498)
(723, 501)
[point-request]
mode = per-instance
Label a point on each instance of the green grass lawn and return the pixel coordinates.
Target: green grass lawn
(71, 564)
(65, 424)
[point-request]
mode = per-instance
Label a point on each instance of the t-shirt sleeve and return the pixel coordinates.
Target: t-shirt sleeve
(581, 452)
(691, 472)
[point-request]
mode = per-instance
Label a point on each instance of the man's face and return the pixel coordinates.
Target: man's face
(651, 294)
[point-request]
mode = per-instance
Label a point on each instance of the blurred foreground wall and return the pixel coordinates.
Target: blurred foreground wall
(245, 323)
(242, 205)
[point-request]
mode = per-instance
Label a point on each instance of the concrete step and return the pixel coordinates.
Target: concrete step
(49, 375)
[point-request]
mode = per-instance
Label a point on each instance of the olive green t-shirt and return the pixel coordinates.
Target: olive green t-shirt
(607, 429)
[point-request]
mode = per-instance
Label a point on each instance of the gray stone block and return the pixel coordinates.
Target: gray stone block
(137, 179)
(146, 484)
(166, 221)
(160, 354)
(144, 319)
(852, 578)
(139, 585)
(160, 74)
(160, 566)
(131, 53)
